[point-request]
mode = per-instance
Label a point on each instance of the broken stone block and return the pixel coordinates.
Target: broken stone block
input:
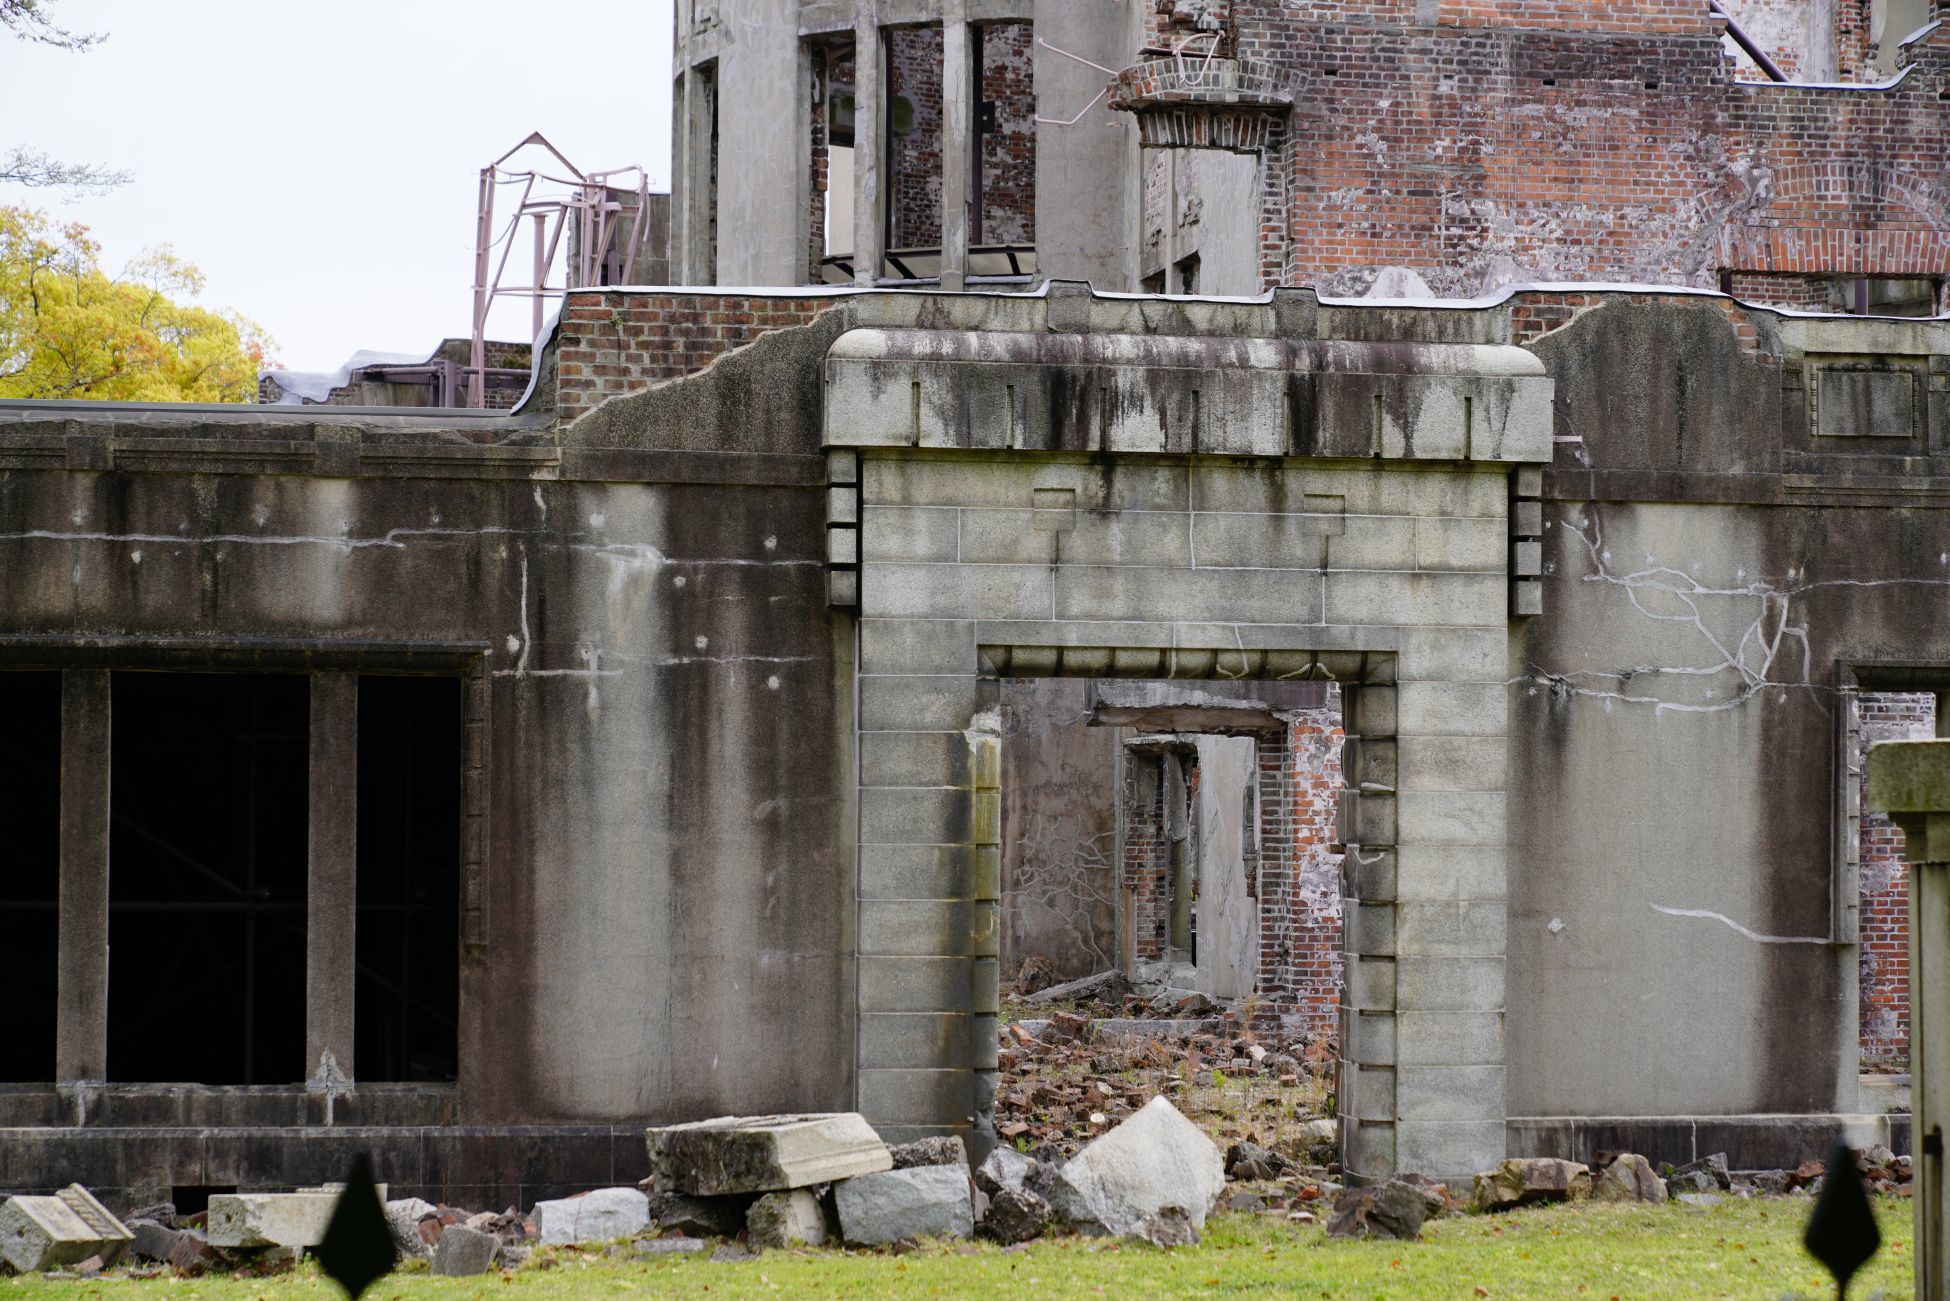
(1156, 1158)
(1527, 1181)
(1016, 1215)
(921, 1202)
(942, 1149)
(403, 1218)
(785, 1219)
(1705, 1174)
(41, 1233)
(1629, 1178)
(764, 1154)
(270, 1219)
(1249, 1160)
(464, 1252)
(671, 1246)
(707, 1217)
(184, 1249)
(600, 1216)
(1394, 1209)
(1004, 1168)
(1170, 1226)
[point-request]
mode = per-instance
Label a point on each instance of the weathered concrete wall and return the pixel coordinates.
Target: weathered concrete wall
(1708, 565)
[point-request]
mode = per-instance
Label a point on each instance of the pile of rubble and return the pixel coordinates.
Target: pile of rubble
(1064, 1079)
(816, 1179)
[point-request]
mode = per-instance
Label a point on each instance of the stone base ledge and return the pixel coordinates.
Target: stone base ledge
(1760, 1142)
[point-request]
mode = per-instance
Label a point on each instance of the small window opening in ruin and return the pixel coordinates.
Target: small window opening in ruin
(194, 1199)
(1185, 272)
(30, 869)
(911, 121)
(831, 179)
(700, 146)
(406, 999)
(1155, 282)
(208, 855)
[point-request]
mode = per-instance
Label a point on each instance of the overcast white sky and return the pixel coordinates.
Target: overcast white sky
(319, 159)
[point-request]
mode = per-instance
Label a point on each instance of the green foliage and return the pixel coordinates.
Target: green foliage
(70, 330)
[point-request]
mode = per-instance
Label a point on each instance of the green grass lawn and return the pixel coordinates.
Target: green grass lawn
(1735, 1249)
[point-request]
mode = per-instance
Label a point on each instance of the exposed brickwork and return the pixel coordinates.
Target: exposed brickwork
(1530, 139)
(1884, 946)
(613, 343)
(1146, 865)
(1007, 214)
(1314, 964)
(914, 155)
(1802, 293)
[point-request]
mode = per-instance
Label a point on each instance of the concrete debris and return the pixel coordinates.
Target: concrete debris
(1036, 973)
(1169, 1226)
(1629, 1178)
(600, 1216)
(706, 1217)
(679, 1246)
(786, 1219)
(1394, 1209)
(892, 1205)
(1527, 1181)
(163, 1213)
(1104, 987)
(182, 1249)
(1705, 1175)
(403, 1218)
(943, 1149)
(273, 1219)
(763, 1154)
(1016, 1215)
(465, 1252)
(1248, 1160)
(1700, 1200)
(1155, 1159)
(41, 1233)
(1003, 1168)
(732, 1254)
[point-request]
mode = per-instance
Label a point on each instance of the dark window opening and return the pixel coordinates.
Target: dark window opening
(30, 869)
(407, 997)
(208, 845)
(1187, 269)
(194, 1199)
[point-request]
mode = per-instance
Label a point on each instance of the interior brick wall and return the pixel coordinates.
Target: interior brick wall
(1883, 989)
(612, 343)
(914, 159)
(1315, 973)
(1008, 213)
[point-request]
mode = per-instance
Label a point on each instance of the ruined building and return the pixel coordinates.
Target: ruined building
(476, 787)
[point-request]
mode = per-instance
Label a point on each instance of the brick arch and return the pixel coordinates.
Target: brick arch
(1811, 224)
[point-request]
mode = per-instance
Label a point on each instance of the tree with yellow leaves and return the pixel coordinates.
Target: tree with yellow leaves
(68, 329)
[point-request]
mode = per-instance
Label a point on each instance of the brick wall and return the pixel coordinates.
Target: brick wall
(1314, 973)
(914, 157)
(614, 343)
(1008, 152)
(1146, 861)
(1547, 141)
(1884, 949)
(1802, 293)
